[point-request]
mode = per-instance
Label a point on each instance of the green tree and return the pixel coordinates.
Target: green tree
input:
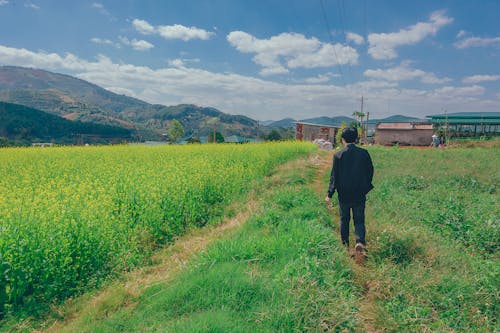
(338, 136)
(218, 137)
(359, 116)
(176, 131)
(274, 135)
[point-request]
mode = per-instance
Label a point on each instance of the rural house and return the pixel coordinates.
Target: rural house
(406, 134)
(311, 132)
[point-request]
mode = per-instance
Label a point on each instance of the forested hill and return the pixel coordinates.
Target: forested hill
(76, 99)
(23, 125)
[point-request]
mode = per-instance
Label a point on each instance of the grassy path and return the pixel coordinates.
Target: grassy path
(167, 264)
(275, 264)
(432, 236)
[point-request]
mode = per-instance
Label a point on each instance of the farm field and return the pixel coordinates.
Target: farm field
(432, 266)
(71, 218)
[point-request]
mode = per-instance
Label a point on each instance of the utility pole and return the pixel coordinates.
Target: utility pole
(361, 112)
(446, 127)
(361, 103)
(366, 127)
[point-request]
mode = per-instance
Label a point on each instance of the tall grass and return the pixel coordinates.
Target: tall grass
(433, 240)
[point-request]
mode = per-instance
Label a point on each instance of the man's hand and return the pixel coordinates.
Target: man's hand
(329, 202)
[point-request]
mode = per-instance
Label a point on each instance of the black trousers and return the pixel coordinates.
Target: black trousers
(358, 215)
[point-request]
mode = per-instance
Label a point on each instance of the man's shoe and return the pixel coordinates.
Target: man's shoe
(360, 248)
(360, 253)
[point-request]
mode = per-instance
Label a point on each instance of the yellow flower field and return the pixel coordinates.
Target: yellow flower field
(72, 216)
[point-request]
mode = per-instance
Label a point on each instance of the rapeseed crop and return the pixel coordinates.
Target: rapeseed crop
(71, 217)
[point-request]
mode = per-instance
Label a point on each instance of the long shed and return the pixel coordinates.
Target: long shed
(467, 124)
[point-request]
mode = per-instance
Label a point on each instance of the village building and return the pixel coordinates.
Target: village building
(42, 144)
(405, 133)
(311, 132)
(467, 124)
(235, 139)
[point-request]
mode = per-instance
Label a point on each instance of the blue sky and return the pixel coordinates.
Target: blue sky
(269, 59)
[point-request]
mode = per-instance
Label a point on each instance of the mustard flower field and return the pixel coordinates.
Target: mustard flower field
(71, 217)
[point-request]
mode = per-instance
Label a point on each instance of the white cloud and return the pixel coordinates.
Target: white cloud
(291, 50)
(31, 6)
(383, 45)
(138, 45)
(355, 38)
(143, 27)
(449, 91)
(4, 2)
(256, 98)
(465, 93)
(176, 31)
(477, 42)
(404, 72)
(181, 62)
(100, 7)
(176, 63)
(321, 78)
(102, 41)
(141, 45)
(433, 79)
(480, 78)
(461, 33)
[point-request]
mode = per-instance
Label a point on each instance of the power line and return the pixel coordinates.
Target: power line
(331, 40)
(341, 9)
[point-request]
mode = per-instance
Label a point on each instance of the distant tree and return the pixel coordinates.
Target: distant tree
(274, 135)
(338, 136)
(359, 122)
(193, 139)
(4, 142)
(219, 138)
(353, 124)
(176, 131)
(359, 116)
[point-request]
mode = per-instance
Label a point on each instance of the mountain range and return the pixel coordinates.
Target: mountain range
(336, 121)
(81, 101)
(75, 99)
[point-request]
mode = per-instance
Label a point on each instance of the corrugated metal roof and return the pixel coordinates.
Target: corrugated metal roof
(404, 126)
(317, 125)
(467, 121)
(424, 126)
(463, 115)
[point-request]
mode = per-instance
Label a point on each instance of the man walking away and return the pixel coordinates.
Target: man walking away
(351, 177)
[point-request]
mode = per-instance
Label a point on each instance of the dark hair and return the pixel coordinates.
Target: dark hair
(349, 134)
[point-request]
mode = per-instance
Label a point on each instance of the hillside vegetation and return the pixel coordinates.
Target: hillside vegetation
(21, 125)
(76, 99)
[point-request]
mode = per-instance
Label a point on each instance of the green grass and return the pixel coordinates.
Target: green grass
(434, 239)
(282, 271)
(432, 266)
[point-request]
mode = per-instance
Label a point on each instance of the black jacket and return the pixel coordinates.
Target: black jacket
(352, 174)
